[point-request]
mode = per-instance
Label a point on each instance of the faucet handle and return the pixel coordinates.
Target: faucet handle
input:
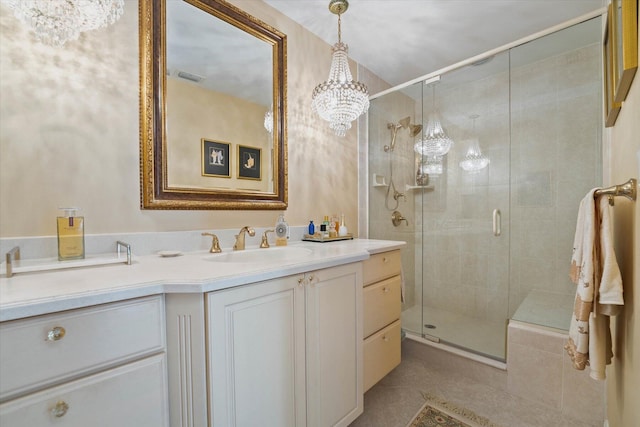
(265, 241)
(215, 243)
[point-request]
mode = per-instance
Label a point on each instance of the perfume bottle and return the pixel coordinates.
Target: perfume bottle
(70, 235)
(342, 230)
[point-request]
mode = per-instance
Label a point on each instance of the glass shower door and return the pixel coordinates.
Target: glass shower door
(465, 210)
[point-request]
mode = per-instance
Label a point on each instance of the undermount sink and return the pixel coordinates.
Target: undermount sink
(277, 254)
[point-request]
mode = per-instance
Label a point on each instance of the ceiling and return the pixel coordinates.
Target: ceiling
(400, 40)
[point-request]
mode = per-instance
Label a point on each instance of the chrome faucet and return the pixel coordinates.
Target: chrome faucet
(239, 245)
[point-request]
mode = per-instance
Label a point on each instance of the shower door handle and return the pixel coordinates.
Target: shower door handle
(497, 220)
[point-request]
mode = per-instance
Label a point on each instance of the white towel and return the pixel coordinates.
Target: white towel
(595, 272)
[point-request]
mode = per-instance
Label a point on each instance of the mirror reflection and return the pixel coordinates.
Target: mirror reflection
(216, 142)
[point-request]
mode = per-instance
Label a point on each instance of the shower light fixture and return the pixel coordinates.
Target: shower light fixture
(474, 160)
(340, 100)
(435, 143)
(56, 21)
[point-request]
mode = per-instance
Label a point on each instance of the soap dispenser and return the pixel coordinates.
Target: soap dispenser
(282, 231)
(70, 235)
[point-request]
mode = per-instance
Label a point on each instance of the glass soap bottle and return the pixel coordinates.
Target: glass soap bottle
(70, 235)
(342, 231)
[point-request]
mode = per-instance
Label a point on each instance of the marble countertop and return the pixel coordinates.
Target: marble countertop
(31, 294)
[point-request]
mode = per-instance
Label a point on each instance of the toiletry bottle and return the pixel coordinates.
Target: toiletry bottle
(336, 221)
(70, 235)
(323, 231)
(312, 228)
(282, 231)
(342, 231)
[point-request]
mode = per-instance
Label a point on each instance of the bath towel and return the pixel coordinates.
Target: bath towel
(595, 271)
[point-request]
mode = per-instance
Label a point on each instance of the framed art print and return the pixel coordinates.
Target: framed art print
(249, 162)
(216, 158)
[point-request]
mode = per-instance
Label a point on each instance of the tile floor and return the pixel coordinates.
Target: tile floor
(482, 336)
(396, 398)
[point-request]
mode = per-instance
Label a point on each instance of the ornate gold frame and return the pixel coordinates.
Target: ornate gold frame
(625, 57)
(611, 107)
(155, 190)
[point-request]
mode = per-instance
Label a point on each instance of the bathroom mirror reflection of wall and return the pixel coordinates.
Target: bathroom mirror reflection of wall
(209, 71)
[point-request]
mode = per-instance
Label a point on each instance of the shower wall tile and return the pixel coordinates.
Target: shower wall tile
(582, 397)
(540, 370)
(535, 374)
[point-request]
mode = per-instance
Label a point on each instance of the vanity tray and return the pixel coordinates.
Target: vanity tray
(310, 238)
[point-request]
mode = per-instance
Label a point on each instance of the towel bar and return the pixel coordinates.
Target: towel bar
(628, 190)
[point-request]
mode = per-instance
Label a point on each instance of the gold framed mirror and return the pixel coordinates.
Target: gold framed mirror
(212, 108)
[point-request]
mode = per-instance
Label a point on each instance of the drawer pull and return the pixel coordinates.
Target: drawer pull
(60, 409)
(55, 334)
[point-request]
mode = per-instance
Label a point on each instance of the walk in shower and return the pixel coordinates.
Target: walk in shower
(489, 239)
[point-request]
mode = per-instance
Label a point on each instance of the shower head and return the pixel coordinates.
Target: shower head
(404, 123)
(414, 130)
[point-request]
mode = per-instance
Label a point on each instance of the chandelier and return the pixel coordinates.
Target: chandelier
(57, 21)
(435, 143)
(340, 100)
(268, 120)
(432, 165)
(474, 160)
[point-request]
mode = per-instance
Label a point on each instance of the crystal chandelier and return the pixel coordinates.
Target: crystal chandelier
(57, 21)
(268, 120)
(474, 160)
(432, 165)
(340, 100)
(435, 143)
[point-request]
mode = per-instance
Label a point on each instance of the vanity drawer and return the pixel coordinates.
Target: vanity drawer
(381, 354)
(131, 395)
(380, 266)
(381, 304)
(49, 349)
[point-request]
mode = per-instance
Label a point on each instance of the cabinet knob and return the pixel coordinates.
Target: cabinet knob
(385, 259)
(60, 409)
(384, 338)
(55, 334)
(301, 281)
(311, 277)
(385, 289)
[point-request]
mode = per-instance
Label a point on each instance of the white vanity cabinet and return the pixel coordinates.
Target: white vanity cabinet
(287, 352)
(100, 366)
(382, 307)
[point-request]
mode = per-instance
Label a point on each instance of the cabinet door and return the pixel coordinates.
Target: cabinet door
(132, 395)
(334, 346)
(256, 354)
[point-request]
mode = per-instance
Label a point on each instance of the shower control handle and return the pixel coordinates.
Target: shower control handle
(497, 222)
(397, 218)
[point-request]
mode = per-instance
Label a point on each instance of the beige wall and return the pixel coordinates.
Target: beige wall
(69, 134)
(197, 113)
(623, 376)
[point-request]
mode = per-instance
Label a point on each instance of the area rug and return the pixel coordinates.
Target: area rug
(437, 412)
